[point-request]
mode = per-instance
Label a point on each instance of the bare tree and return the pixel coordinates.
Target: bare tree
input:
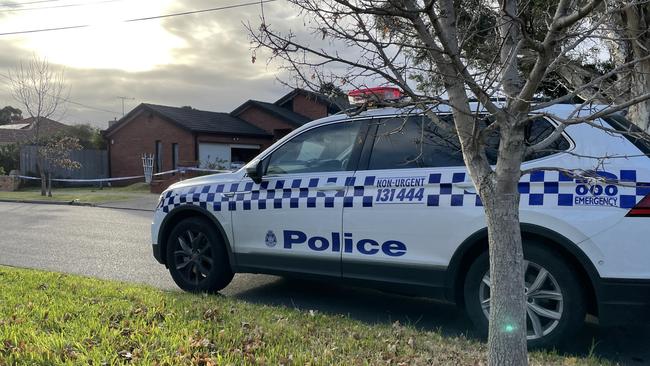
(56, 153)
(448, 44)
(630, 43)
(622, 31)
(41, 90)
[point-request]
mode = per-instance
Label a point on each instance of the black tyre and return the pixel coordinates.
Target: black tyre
(555, 300)
(197, 256)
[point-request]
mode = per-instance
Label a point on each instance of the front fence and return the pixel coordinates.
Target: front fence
(94, 164)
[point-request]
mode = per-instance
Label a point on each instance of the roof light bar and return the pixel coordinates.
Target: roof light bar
(376, 95)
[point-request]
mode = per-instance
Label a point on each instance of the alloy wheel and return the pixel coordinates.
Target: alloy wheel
(194, 257)
(544, 300)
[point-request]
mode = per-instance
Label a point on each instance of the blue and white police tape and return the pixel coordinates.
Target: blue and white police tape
(85, 180)
(97, 180)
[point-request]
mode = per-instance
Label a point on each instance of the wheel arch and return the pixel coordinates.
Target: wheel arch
(477, 243)
(185, 211)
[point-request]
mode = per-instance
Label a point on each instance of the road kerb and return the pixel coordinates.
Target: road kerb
(39, 202)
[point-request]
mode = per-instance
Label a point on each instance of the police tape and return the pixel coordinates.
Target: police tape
(98, 180)
(84, 180)
(206, 170)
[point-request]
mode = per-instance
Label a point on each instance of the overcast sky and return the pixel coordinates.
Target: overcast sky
(202, 60)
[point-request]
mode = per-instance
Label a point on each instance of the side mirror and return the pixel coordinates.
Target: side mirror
(254, 170)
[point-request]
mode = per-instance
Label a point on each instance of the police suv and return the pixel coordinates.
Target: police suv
(383, 199)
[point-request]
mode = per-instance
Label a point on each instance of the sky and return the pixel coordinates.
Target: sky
(201, 60)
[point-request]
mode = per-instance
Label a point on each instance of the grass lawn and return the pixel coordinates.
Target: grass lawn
(82, 194)
(50, 318)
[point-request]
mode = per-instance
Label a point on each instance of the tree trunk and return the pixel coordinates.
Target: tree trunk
(49, 184)
(507, 328)
(640, 113)
(507, 334)
(43, 180)
(637, 22)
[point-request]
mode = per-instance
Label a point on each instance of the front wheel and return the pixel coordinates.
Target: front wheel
(555, 307)
(197, 256)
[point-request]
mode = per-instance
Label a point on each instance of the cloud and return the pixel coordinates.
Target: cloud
(211, 70)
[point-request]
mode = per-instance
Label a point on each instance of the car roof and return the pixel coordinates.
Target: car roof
(560, 110)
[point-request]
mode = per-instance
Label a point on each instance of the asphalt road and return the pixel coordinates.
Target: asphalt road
(115, 244)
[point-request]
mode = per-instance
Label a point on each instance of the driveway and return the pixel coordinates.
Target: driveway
(115, 244)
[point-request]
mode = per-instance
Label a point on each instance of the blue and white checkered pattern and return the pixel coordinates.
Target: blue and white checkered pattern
(547, 188)
(277, 194)
(358, 196)
(639, 189)
(444, 193)
(542, 188)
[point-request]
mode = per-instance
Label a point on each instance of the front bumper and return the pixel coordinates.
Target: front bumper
(624, 301)
(157, 254)
(158, 218)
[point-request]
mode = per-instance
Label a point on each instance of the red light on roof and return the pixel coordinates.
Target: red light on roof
(378, 94)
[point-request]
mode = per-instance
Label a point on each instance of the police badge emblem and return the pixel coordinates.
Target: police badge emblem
(271, 240)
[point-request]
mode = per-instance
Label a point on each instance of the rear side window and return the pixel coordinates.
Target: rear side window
(537, 131)
(414, 142)
(621, 124)
(417, 142)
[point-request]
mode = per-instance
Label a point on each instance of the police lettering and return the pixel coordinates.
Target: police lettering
(400, 182)
(595, 201)
(391, 248)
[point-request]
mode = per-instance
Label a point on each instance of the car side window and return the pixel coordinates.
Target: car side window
(322, 149)
(415, 142)
(536, 131)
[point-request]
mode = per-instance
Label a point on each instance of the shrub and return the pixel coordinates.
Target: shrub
(10, 157)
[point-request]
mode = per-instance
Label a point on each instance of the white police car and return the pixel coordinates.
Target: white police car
(383, 200)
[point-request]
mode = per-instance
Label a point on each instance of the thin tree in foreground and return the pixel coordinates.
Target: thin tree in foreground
(41, 91)
(56, 152)
(456, 46)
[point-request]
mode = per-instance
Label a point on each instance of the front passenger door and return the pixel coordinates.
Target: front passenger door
(291, 222)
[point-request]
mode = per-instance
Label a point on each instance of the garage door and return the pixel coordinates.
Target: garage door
(215, 156)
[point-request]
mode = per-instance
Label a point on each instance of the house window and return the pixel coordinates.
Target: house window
(174, 156)
(159, 155)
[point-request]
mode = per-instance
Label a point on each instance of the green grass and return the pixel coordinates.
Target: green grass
(82, 195)
(49, 318)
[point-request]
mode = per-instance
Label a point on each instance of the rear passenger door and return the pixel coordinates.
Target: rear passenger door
(411, 206)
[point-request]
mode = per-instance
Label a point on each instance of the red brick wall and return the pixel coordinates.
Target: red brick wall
(309, 107)
(263, 120)
(138, 136)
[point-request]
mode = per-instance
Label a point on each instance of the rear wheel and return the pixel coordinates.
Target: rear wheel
(197, 256)
(555, 306)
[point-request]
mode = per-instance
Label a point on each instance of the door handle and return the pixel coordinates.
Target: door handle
(330, 187)
(232, 194)
(468, 186)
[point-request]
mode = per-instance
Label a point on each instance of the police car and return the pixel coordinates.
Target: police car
(382, 199)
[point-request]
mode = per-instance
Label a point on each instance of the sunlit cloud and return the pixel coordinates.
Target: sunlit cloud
(202, 60)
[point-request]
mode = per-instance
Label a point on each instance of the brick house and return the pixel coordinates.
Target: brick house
(287, 113)
(179, 136)
(24, 131)
(186, 136)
